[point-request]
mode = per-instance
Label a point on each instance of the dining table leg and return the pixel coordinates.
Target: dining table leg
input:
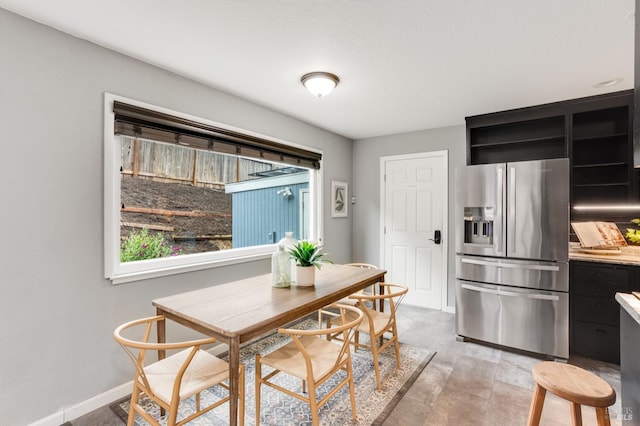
(234, 379)
(381, 291)
(162, 334)
(161, 331)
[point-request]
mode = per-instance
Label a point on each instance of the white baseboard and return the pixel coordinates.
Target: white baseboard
(53, 420)
(449, 309)
(74, 411)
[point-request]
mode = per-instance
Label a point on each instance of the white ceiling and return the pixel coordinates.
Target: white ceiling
(404, 65)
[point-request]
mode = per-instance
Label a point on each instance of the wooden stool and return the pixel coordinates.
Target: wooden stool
(574, 384)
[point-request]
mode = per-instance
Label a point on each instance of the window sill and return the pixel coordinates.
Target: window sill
(127, 277)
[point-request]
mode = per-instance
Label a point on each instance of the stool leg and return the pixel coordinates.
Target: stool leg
(603, 416)
(537, 402)
(576, 414)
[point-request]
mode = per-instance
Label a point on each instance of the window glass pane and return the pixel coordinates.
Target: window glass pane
(177, 200)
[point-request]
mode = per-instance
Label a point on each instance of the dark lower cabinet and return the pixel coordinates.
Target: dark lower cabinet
(594, 330)
(597, 341)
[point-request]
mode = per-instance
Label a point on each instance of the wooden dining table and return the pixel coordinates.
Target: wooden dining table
(239, 311)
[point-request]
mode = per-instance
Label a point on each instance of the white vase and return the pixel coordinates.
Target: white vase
(280, 268)
(289, 242)
(305, 276)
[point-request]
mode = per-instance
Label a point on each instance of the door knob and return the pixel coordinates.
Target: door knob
(437, 237)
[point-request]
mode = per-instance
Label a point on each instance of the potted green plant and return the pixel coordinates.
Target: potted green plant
(308, 256)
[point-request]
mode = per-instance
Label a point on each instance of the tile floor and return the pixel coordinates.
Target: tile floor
(471, 384)
(465, 384)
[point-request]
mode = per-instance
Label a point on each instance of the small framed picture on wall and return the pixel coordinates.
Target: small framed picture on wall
(339, 197)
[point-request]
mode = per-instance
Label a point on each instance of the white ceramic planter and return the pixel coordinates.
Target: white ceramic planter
(305, 276)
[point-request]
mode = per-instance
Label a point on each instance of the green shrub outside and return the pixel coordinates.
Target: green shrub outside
(141, 245)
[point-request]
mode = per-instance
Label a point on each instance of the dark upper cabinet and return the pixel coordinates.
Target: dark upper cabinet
(594, 132)
(602, 155)
(535, 139)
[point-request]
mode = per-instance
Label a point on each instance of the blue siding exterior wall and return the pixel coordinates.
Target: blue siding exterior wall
(276, 215)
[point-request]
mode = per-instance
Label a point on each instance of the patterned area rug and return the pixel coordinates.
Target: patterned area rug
(373, 406)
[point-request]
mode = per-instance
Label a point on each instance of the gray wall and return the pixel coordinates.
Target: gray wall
(57, 310)
(366, 186)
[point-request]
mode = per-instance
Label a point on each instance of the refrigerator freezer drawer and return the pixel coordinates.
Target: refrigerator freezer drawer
(518, 273)
(530, 320)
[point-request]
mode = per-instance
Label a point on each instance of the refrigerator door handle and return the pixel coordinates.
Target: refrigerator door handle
(499, 210)
(511, 210)
(510, 293)
(510, 265)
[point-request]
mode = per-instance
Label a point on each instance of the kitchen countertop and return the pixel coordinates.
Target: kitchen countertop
(631, 304)
(628, 256)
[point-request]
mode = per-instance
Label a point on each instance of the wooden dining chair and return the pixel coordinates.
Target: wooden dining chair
(368, 290)
(313, 359)
(348, 301)
(375, 323)
(170, 381)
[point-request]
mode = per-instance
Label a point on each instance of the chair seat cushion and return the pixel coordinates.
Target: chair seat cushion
(204, 371)
(289, 359)
(380, 321)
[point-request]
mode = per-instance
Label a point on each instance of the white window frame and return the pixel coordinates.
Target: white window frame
(119, 272)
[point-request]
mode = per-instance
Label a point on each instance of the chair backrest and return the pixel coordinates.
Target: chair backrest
(370, 289)
(350, 316)
(393, 294)
(362, 265)
(137, 349)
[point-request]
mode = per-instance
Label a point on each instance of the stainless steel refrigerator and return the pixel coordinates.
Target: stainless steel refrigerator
(512, 254)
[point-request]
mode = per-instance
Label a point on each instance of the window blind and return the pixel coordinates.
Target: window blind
(144, 123)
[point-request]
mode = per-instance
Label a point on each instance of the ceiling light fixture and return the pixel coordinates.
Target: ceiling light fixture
(320, 83)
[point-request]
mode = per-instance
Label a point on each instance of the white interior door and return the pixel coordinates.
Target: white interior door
(414, 199)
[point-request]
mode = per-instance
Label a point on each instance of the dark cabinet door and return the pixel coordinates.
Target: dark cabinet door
(594, 314)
